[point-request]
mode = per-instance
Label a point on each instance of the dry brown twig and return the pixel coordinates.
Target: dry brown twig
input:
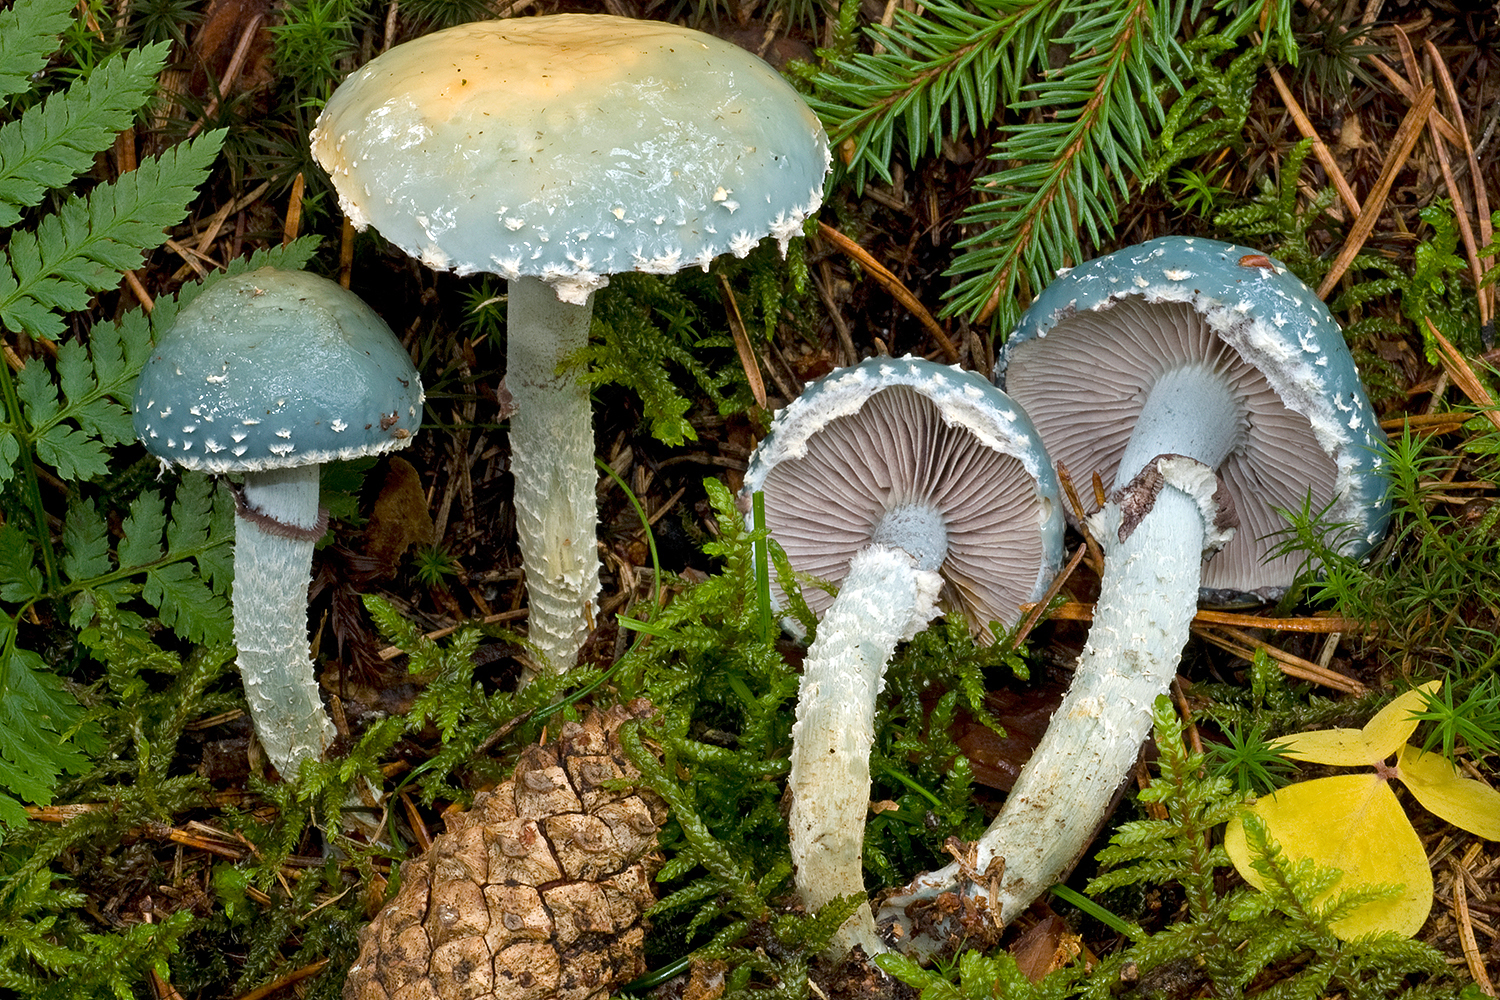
(1224, 629)
(1477, 265)
(748, 361)
(1245, 646)
(1319, 147)
(1463, 375)
(892, 284)
(1406, 138)
(1473, 957)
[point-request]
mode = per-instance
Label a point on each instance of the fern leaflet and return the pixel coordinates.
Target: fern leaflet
(51, 144)
(28, 36)
(78, 249)
(44, 738)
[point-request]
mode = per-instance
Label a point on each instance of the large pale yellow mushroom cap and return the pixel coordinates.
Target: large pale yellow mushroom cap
(570, 147)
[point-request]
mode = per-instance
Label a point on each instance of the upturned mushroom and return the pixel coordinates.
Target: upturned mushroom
(912, 487)
(270, 374)
(555, 151)
(1213, 389)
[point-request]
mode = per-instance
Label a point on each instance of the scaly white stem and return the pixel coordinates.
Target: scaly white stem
(1146, 602)
(883, 599)
(1147, 598)
(271, 576)
(552, 460)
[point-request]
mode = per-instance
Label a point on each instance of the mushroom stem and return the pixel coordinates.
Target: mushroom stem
(1146, 602)
(884, 598)
(1154, 538)
(1190, 411)
(273, 545)
(552, 458)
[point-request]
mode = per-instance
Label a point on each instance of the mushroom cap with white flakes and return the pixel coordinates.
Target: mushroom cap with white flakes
(276, 369)
(1086, 353)
(572, 146)
(868, 439)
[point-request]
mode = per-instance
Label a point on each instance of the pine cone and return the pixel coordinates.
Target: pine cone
(535, 892)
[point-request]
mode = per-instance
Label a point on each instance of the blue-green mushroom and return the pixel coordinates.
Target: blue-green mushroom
(912, 487)
(270, 374)
(1209, 388)
(555, 151)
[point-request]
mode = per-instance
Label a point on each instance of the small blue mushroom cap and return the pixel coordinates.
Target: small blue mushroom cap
(1085, 354)
(274, 369)
(875, 437)
(571, 147)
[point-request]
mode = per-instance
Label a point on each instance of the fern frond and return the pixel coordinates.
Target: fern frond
(71, 421)
(51, 144)
(79, 249)
(28, 36)
(20, 581)
(199, 531)
(85, 542)
(69, 416)
(70, 451)
(184, 599)
(37, 717)
(193, 602)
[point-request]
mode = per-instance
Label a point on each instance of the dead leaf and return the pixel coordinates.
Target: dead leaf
(399, 518)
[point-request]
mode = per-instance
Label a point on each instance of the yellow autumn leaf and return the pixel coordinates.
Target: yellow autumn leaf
(1444, 792)
(1381, 736)
(1351, 822)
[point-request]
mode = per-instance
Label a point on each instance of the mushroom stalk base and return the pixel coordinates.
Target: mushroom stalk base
(271, 575)
(552, 458)
(1154, 533)
(1146, 603)
(883, 599)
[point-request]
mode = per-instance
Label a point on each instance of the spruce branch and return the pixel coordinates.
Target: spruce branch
(1066, 177)
(930, 77)
(1077, 135)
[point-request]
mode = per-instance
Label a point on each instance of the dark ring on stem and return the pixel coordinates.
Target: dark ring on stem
(275, 528)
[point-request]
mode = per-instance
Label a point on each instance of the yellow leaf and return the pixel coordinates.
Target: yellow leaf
(1444, 792)
(1382, 735)
(1351, 822)
(1342, 747)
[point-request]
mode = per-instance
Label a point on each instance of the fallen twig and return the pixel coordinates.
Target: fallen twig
(892, 284)
(1406, 138)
